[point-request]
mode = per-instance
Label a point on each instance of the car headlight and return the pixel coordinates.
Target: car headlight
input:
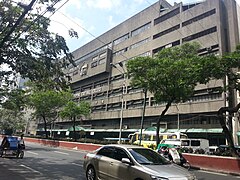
(158, 178)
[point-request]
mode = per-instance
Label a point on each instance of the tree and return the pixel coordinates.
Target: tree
(12, 114)
(11, 121)
(27, 47)
(228, 68)
(47, 104)
(72, 110)
(172, 74)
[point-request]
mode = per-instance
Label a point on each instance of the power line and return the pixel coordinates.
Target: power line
(49, 8)
(26, 9)
(91, 34)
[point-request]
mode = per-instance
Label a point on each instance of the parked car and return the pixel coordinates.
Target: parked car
(132, 163)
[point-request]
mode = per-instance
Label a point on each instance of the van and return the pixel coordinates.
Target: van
(195, 144)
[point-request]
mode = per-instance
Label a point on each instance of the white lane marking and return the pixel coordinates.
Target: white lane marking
(61, 152)
(30, 169)
(216, 173)
(77, 164)
(32, 152)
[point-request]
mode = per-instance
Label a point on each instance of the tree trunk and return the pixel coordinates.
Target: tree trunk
(45, 126)
(74, 129)
(221, 112)
(159, 120)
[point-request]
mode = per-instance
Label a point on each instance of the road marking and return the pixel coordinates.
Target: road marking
(32, 152)
(216, 173)
(61, 152)
(78, 164)
(22, 165)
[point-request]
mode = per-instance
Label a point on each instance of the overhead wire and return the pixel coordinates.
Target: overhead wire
(97, 38)
(37, 18)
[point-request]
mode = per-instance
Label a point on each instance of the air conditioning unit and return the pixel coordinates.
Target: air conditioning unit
(125, 126)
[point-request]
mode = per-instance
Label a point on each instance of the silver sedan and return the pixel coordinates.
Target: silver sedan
(128, 162)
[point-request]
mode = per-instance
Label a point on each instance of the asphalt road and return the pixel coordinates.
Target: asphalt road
(41, 163)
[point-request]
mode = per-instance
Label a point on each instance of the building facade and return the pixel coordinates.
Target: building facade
(99, 76)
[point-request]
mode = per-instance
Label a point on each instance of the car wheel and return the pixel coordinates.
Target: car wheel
(91, 174)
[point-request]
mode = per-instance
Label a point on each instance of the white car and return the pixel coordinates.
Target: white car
(128, 162)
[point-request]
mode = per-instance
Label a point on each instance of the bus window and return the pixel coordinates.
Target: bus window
(185, 143)
(195, 143)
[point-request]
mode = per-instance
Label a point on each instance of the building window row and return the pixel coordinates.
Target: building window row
(188, 6)
(166, 31)
(140, 43)
(200, 17)
(132, 104)
(200, 34)
(175, 43)
(209, 50)
(99, 62)
(77, 62)
(141, 29)
(120, 51)
(121, 39)
(167, 16)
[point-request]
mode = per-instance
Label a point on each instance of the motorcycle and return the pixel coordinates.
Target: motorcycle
(174, 156)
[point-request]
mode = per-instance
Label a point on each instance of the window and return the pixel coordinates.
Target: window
(119, 154)
(94, 64)
(197, 18)
(139, 43)
(166, 16)
(95, 58)
(103, 54)
(175, 43)
(108, 152)
(141, 29)
(121, 39)
(120, 52)
(102, 61)
(200, 34)
(195, 143)
(166, 31)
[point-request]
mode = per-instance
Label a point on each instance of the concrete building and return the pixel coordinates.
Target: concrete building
(212, 23)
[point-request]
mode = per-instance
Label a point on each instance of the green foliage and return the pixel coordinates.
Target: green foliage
(11, 112)
(14, 100)
(31, 50)
(73, 109)
(47, 103)
(173, 73)
(11, 120)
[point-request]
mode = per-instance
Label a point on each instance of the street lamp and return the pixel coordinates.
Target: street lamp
(122, 101)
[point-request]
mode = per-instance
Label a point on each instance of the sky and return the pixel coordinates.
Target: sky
(91, 18)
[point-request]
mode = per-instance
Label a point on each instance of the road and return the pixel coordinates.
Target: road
(41, 163)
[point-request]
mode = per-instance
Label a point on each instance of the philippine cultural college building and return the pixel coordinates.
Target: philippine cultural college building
(99, 76)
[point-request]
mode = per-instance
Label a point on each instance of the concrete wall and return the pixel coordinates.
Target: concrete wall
(214, 163)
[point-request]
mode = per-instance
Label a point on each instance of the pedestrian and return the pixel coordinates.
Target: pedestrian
(21, 142)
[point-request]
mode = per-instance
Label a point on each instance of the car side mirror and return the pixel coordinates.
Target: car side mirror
(127, 161)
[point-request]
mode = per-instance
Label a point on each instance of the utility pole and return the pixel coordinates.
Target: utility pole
(143, 114)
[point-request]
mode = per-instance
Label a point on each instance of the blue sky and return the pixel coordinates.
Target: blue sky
(95, 16)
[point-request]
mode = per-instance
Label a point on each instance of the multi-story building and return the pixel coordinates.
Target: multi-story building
(99, 75)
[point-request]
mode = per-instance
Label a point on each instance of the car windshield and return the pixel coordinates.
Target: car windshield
(147, 157)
